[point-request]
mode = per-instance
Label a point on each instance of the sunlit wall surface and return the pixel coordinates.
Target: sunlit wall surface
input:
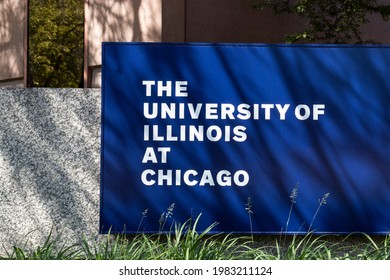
(11, 42)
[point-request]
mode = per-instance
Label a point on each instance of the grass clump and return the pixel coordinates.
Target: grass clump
(52, 249)
(184, 242)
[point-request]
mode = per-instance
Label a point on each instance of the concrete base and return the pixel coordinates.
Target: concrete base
(49, 164)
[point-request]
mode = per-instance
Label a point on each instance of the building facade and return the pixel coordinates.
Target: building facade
(13, 25)
(154, 21)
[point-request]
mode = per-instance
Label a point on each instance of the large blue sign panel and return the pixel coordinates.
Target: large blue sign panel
(258, 138)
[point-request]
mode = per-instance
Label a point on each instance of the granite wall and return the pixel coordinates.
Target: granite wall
(49, 164)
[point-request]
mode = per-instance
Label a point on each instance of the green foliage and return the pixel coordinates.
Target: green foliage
(51, 249)
(118, 247)
(56, 29)
(186, 243)
(306, 247)
(328, 21)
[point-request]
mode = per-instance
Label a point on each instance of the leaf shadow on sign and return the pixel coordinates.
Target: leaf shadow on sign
(346, 152)
(328, 155)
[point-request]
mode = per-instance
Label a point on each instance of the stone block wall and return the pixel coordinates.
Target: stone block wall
(49, 164)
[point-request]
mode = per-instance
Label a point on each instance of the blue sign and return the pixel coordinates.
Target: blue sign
(258, 138)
